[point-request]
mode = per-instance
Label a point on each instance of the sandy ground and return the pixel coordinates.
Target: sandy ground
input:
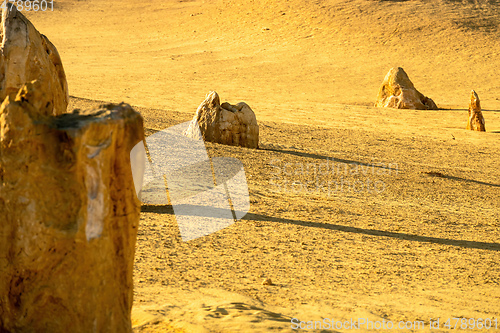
(417, 236)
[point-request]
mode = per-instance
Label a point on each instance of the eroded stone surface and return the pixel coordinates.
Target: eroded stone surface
(475, 122)
(69, 216)
(26, 55)
(397, 91)
(234, 125)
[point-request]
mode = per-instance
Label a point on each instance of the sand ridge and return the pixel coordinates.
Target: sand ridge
(169, 54)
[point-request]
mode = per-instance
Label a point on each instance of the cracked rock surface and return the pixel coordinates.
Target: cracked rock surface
(234, 125)
(69, 216)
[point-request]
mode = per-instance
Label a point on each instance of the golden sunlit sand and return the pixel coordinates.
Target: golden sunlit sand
(405, 223)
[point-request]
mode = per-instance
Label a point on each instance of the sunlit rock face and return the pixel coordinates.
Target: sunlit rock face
(69, 215)
(26, 55)
(397, 91)
(475, 122)
(234, 125)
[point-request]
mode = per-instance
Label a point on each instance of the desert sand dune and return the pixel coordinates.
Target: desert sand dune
(166, 54)
(423, 245)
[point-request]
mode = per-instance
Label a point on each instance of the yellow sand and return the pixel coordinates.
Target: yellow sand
(425, 247)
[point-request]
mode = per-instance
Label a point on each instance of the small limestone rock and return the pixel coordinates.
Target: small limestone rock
(267, 282)
(234, 125)
(397, 91)
(26, 55)
(476, 119)
(69, 216)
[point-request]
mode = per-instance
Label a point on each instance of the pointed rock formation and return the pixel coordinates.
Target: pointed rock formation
(397, 91)
(233, 125)
(69, 216)
(476, 119)
(26, 55)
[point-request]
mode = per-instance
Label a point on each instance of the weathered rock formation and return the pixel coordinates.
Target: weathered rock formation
(397, 91)
(26, 55)
(233, 125)
(476, 119)
(69, 216)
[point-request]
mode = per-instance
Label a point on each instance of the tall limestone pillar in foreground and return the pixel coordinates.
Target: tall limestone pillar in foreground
(69, 215)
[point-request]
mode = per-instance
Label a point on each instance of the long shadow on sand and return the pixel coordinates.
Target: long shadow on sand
(331, 159)
(441, 175)
(380, 233)
(167, 209)
(466, 110)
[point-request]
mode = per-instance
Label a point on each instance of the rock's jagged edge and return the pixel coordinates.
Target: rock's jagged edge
(397, 91)
(475, 121)
(234, 125)
(26, 55)
(70, 216)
